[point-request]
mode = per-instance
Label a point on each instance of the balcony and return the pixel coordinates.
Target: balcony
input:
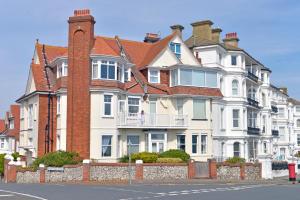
(253, 131)
(252, 102)
(274, 109)
(134, 120)
(252, 77)
(275, 133)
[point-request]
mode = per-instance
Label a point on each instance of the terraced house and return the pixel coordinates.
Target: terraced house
(105, 96)
(254, 119)
(9, 130)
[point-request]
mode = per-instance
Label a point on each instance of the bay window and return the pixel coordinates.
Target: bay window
(109, 70)
(193, 77)
(62, 69)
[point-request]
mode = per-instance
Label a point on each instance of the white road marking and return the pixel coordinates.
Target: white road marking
(190, 192)
(6, 195)
(23, 194)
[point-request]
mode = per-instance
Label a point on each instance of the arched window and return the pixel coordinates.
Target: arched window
(235, 87)
(236, 149)
(298, 122)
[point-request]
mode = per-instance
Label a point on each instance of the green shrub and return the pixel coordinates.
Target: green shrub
(169, 160)
(235, 160)
(2, 164)
(147, 157)
(124, 159)
(175, 153)
(57, 159)
(15, 155)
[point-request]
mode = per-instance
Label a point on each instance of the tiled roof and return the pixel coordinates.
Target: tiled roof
(2, 125)
(140, 54)
(201, 91)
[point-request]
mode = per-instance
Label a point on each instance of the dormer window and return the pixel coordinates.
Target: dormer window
(108, 70)
(176, 48)
(153, 76)
(62, 69)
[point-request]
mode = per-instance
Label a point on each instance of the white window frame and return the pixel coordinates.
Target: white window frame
(206, 143)
(138, 145)
(231, 60)
(197, 144)
(298, 123)
(238, 119)
(128, 105)
(111, 105)
(178, 142)
(297, 109)
(157, 76)
(111, 145)
(205, 113)
(239, 150)
(11, 123)
(30, 116)
(128, 72)
(62, 69)
(281, 114)
(234, 88)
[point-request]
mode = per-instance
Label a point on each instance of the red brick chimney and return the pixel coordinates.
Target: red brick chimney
(81, 41)
(231, 39)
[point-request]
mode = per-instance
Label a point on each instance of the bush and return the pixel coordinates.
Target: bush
(297, 154)
(147, 157)
(124, 159)
(235, 160)
(175, 153)
(57, 159)
(2, 164)
(169, 160)
(15, 155)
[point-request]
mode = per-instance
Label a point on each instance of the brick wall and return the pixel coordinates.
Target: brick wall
(81, 39)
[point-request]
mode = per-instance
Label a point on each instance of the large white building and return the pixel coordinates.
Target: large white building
(254, 119)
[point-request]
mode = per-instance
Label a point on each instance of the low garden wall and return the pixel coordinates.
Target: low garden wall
(98, 172)
(244, 171)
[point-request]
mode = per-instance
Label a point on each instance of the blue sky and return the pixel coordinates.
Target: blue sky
(268, 30)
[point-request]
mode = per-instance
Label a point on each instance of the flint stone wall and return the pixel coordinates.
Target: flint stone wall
(70, 174)
(28, 176)
(154, 172)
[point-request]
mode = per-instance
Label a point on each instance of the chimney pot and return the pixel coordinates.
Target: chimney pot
(231, 39)
(177, 29)
(151, 37)
(82, 12)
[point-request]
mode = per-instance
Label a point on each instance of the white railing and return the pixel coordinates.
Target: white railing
(151, 120)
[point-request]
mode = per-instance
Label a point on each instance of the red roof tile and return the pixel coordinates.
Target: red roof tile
(2, 125)
(202, 91)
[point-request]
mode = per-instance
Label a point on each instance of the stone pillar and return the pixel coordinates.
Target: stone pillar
(242, 171)
(212, 166)
(139, 171)
(42, 173)
(266, 166)
(86, 171)
(191, 169)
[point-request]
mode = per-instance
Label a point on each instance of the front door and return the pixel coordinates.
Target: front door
(157, 142)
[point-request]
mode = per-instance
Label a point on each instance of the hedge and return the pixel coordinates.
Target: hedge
(147, 157)
(235, 160)
(175, 153)
(57, 159)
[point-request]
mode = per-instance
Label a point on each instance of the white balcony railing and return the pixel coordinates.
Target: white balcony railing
(137, 120)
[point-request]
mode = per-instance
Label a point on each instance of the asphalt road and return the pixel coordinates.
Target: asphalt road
(149, 191)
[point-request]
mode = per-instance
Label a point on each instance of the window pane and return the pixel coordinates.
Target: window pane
(132, 144)
(185, 76)
(153, 79)
(233, 60)
(211, 79)
(104, 71)
(181, 142)
(111, 72)
(194, 143)
(107, 110)
(235, 118)
(95, 71)
(236, 149)
(199, 109)
(157, 136)
(174, 77)
(198, 78)
(203, 144)
(106, 146)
